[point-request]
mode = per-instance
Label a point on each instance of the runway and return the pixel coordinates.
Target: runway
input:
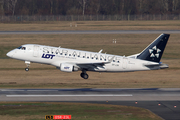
(149, 94)
(91, 32)
(164, 102)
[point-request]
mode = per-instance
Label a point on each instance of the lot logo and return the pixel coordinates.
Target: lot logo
(66, 67)
(48, 56)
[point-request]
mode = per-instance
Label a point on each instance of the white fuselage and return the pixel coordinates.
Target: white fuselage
(80, 59)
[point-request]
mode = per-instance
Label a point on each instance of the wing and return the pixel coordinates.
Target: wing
(93, 65)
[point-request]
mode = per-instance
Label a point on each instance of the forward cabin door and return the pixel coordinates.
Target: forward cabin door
(36, 51)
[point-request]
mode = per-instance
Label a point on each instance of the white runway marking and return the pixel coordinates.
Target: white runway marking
(12, 90)
(42, 90)
(28, 90)
(105, 95)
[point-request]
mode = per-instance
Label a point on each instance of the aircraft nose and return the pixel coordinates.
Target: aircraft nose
(9, 54)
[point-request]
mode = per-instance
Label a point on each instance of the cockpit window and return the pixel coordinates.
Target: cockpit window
(21, 48)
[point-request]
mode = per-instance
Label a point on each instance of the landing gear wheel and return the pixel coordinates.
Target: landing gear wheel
(26, 69)
(84, 75)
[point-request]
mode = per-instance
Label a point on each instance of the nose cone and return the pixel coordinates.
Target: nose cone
(9, 54)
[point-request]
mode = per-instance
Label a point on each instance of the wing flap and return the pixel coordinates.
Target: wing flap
(94, 65)
(97, 63)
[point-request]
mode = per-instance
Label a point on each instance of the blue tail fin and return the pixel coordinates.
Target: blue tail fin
(155, 50)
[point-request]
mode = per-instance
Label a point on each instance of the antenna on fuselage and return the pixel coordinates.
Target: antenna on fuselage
(100, 51)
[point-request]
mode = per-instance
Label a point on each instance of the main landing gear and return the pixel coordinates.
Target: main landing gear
(84, 74)
(27, 64)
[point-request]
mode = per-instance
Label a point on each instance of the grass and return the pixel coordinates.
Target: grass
(78, 111)
(44, 76)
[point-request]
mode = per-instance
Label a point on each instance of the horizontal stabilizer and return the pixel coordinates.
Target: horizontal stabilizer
(161, 66)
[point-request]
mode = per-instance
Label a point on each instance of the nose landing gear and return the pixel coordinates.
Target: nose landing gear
(84, 74)
(27, 64)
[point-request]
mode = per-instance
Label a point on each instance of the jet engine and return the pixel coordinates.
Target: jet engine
(65, 67)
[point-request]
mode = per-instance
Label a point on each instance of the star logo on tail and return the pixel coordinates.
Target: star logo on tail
(154, 52)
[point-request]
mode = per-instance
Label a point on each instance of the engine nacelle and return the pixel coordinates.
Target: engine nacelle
(65, 67)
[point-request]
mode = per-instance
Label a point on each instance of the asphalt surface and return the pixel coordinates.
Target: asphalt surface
(93, 32)
(164, 102)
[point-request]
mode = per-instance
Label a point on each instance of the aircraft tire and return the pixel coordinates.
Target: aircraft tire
(82, 75)
(85, 76)
(26, 69)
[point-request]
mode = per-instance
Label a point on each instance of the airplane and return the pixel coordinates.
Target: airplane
(70, 60)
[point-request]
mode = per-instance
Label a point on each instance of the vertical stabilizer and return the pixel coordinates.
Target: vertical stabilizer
(155, 50)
